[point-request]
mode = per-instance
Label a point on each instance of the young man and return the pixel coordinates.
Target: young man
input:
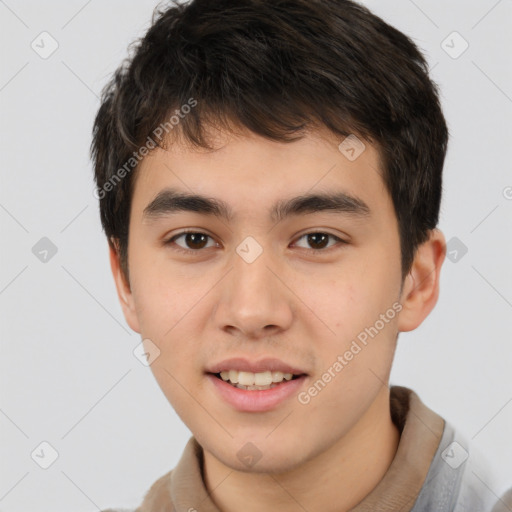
(269, 175)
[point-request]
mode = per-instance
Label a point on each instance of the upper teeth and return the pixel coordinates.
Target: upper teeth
(254, 379)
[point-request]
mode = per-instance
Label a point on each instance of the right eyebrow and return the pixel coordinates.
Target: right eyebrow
(169, 201)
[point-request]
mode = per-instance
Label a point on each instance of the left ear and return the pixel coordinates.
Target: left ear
(124, 292)
(421, 285)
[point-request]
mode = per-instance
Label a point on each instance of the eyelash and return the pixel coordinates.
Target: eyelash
(178, 248)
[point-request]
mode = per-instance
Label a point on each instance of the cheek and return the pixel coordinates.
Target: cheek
(162, 294)
(168, 308)
(352, 301)
(172, 309)
(360, 309)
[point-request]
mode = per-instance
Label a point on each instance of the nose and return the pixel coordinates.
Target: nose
(254, 301)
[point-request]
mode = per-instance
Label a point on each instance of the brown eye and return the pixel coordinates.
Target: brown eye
(317, 241)
(192, 241)
(196, 240)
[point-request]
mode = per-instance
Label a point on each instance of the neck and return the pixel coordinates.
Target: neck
(334, 481)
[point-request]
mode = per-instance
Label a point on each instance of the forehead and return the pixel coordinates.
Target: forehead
(249, 173)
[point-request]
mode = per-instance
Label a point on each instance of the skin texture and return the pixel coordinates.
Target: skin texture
(300, 306)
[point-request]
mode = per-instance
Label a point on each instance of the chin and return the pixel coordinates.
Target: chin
(263, 456)
(267, 465)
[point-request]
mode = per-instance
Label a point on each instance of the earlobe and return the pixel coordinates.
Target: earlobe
(123, 288)
(421, 285)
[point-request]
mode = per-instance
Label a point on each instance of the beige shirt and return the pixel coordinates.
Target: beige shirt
(432, 471)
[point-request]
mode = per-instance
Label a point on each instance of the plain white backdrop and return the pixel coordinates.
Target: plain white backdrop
(68, 374)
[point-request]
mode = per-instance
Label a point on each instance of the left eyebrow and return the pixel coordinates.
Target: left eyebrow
(170, 201)
(335, 202)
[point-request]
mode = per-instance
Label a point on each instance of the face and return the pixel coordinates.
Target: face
(271, 280)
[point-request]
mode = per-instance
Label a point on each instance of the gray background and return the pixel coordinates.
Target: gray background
(68, 374)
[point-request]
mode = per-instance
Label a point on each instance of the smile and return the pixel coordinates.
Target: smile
(254, 381)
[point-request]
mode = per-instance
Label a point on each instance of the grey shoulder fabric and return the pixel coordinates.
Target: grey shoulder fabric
(456, 481)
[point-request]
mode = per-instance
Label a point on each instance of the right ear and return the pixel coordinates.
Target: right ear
(124, 292)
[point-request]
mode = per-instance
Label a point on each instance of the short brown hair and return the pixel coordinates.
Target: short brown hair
(276, 67)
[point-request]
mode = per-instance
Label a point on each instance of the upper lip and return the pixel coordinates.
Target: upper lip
(259, 366)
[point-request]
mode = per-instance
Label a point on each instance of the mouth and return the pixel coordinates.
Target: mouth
(255, 385)
(260, 381)
(256, 392)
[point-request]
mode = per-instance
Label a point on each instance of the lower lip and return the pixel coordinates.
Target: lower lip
(254, 400)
